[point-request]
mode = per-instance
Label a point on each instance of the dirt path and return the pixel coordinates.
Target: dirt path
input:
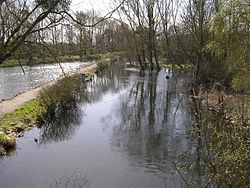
(17, 101)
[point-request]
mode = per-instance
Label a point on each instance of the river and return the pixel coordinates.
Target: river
(130, 130)
(13, 80)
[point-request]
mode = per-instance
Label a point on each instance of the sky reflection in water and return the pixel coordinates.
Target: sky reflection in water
(127, 130)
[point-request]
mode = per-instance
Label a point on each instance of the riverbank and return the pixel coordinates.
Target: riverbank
(16, 102)
(110, 120)
(50, 60)
(223, 128)
(24, 110)
(61, 59)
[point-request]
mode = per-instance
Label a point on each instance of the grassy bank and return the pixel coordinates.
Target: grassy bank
(164, 63)
(14, 123)
(177, 66)
(49, 60)
(107, 59)
(64, 94)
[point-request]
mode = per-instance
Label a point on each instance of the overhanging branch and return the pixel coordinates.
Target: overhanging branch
(107, 16)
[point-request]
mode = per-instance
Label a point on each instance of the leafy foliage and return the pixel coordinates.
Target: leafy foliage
(230, 27)
(25, 117)
(224, 137)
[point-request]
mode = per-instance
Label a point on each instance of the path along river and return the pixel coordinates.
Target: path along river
(129, 130)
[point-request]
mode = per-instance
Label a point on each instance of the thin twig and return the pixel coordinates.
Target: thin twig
(20, 64)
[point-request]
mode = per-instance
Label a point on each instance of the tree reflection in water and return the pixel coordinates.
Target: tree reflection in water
(153, 119)
(150, 121)
(145, 131)
(63, 112)
(65, 119)
(63, 126)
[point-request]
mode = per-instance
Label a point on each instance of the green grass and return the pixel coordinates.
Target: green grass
(178, 66)
(39, 61)
(62, 58)
(48, 60)
(67, 58)
(106, 60)
(91, 57)
(13, 63)
(24, 117)
(2, 137)
(14, 122)
(65, 92)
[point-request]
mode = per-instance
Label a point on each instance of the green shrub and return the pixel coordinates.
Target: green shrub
(62, 94)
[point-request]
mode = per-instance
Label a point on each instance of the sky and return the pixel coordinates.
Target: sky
(100, 5)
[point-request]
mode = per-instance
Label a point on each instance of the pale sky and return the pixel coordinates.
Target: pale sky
(100, 5)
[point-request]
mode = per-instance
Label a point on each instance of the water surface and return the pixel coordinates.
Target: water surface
(13, 80)
(128, 130)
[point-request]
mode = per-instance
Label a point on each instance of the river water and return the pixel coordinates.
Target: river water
(129, 130)
(13, 80)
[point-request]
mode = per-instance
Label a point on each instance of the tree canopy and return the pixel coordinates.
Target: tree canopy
(231, 42)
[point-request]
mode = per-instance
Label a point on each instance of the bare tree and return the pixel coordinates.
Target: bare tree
(142, 18)
(19, 19)
(22, 18)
